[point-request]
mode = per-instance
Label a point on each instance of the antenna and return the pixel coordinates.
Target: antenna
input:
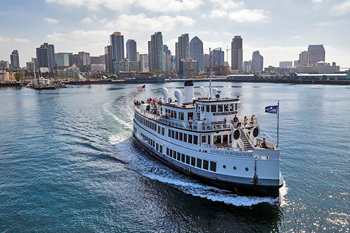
(209, 73)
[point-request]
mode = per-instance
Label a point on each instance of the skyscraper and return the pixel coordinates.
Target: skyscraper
(217, 57)
(257, 62)
(155, 52)
(166, 58)
(131, 52)
(14, 58)
(196, 51)
(108, 59)
(237, 53)
(317, 53)
(182, 49)
(45, 55)
(117, 42)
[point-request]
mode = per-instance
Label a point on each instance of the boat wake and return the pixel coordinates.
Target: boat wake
(145, 165)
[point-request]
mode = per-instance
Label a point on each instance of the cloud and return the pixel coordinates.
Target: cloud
(317, 1)
(3, 39)
(20, 40)
(249, 16)
(50, 20)
(122, 6)
(56, 37)
(340, 9)
(141, 22)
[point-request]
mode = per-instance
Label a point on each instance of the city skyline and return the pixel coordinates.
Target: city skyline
(279, 32)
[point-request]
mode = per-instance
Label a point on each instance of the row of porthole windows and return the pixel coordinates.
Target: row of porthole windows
(190, 160)
(152, 143)
(183, 136)
(235, 168)
(150, 125)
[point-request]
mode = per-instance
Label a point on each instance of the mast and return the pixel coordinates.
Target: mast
(278, 123)
(34, 71)
(210, 73)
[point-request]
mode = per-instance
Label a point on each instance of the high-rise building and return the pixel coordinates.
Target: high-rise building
(117, 42)
(63, 60)
(155, 52)
(131, 51)
(14, 58)
(166, 58)
(257, 62)
(237, 53)
(4, 64)
(143, 62)
(196, 51)
(108, 59)
(188, 67)
(45, 55)
(286, 64)
(82, 61)
(217, 57)
(206, 60)
(317, 53)
(247, 65)
(304, 58)
(182, 48)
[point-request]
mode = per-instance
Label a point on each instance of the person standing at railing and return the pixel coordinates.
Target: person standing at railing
(224, 122)
(190, 122)
(204, 123)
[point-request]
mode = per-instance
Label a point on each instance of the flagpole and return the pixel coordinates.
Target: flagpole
(278, 123)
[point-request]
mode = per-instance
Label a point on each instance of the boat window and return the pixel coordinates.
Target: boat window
(174, 154)
(220, 108)
(172, 133)
(182, 158)
(209, 142)
(190, 138)
(169, 133)
(171, 152)
(231, 107)
(213, 108)
(190, 114)
(199, 163)
(178, 156)
(163, 131)
(157, 146)
(195, 139)
(193, 161)
(205, 164)
(181, 116)
(158, 129)
(236, 106)
(161, 149)
(212, 166)
(187, 159)
(174, 114)
(208, 109)
(177, 135)
(185, 137)
(202, 108)
(181, 134)
(203, 139)
(226, 107)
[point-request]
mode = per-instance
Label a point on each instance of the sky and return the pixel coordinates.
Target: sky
(279, 29)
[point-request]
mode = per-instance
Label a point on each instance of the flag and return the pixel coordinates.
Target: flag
(141, 88)
(271, 109)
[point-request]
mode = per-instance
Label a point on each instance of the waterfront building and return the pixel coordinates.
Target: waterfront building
(206, 60)
(4, 64)
(237, 53)
(196, 51)
(166, 58)
(7, 76)
(316, 53)
(155, 52)
(97, 59)
(126, 65)
(182, 49)
(257, 62)
(188, 67)
(117, 42)
(247, 66)
(29, 66)
(143, 62)
(304, 59)
(82, 61)
(286, 64)
(45, 56)
(217, 58)
(14, 58)
(131, 50)
(63, 60)
(108, 59)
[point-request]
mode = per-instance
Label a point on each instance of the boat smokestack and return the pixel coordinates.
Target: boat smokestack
(165, 93)
(178, 96)
(189, 92)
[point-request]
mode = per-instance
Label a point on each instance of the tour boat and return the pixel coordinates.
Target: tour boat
(195, 136)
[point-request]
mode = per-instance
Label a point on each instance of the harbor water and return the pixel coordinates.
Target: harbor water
(68, 163)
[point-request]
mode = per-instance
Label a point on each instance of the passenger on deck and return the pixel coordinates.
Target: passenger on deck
(204, 123)
(252, 119)
(224, 122)
(245, 121)
(190, 122)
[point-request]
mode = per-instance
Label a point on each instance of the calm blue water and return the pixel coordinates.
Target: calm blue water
(68, 163)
